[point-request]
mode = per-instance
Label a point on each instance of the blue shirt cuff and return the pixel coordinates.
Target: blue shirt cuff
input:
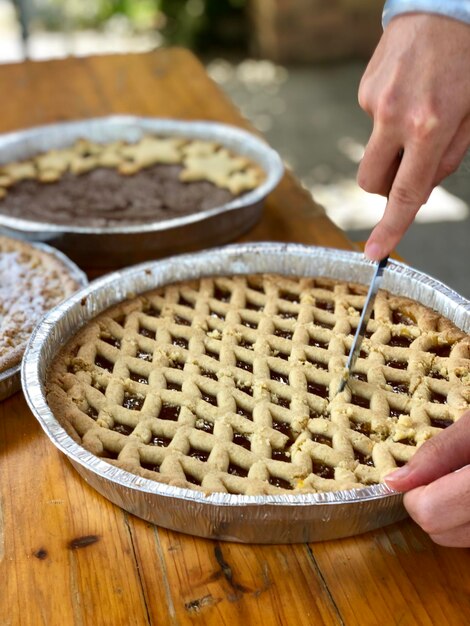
(457, 9)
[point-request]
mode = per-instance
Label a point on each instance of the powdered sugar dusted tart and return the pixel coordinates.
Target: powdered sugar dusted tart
(229, 384)
(32, 281)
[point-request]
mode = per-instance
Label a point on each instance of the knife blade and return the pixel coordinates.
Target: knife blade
(362, 326)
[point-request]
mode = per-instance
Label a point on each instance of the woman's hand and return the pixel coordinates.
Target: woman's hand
(416, 88)
(437, 485)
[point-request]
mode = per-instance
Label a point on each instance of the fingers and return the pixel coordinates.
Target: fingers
(454, 538)
(444, 453)
(455, 152)
(409, 179)
(407, 195)
(442, 509)
(379, 164)
(410, 190)
(437, 482)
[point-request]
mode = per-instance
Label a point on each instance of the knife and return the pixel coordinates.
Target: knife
(362, 326)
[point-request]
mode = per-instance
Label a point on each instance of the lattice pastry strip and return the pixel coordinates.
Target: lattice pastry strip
(229, 384)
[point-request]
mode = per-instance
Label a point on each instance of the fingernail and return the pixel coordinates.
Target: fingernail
(373, 251)
(398, 474)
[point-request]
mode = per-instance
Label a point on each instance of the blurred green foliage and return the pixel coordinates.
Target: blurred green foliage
(198, 24)
(203, 24)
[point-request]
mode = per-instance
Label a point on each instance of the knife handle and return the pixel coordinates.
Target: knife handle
(383, 262)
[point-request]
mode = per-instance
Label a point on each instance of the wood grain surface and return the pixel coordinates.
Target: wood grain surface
(70, 557)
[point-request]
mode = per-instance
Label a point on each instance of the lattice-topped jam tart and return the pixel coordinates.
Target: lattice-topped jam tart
(229, 384)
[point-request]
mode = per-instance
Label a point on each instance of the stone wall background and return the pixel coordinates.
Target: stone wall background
(305, 31)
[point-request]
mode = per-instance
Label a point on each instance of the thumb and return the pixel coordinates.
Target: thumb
(441, 455)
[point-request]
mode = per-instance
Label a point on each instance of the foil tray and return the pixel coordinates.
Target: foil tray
(117, 246)
(10, 379)
(250, 519)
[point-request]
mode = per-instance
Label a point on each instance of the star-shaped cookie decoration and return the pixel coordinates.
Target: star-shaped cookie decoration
(221, 168)
(149, 151)
(20, 170)
(199, 148)
(110, 154)
(200, 160)
(238, 182)
(53, 164)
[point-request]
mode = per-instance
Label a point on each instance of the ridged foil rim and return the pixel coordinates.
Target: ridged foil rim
(26, 143)
(292, 259)
(10, 379)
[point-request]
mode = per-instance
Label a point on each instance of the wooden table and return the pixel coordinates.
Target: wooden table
(69, 557)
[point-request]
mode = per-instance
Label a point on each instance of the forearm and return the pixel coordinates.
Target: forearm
(457, 9)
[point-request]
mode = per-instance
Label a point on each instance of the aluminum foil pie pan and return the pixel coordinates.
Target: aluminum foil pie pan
(251, 519)
(117, 246)
(10, 379)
